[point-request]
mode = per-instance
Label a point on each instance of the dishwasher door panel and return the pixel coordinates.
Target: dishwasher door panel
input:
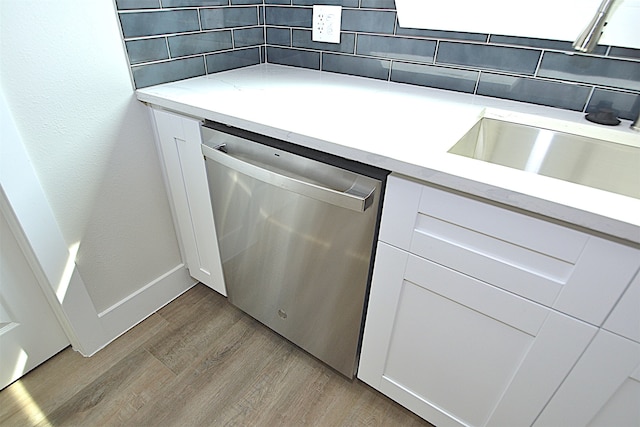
(297, 264)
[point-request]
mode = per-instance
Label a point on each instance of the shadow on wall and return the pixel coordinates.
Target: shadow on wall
(121, 210)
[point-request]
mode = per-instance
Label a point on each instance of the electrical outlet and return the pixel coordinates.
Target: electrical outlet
(326, 23)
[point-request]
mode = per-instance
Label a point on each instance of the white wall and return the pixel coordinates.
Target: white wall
(64, 74)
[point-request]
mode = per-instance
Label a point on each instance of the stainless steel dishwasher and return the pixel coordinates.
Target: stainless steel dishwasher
(297, 231)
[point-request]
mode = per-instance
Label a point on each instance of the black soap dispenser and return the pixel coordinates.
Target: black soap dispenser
(603, 114)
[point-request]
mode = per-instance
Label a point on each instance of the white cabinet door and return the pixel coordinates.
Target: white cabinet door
(179, 142)
(602, 390)
(458, 351)
(478, 313)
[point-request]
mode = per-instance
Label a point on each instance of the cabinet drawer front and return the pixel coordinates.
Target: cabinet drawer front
(505, 307)
(520, 270)
(521, 254)
(574, 272)
(502, 224)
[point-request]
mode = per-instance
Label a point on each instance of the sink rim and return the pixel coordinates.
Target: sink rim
(490, 140)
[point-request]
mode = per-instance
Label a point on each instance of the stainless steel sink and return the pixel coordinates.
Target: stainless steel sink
(582, 160)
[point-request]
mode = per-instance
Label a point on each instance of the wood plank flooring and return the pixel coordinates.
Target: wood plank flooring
(199, 361)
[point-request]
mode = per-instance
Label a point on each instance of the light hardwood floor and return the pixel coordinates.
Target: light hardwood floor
(199, 361)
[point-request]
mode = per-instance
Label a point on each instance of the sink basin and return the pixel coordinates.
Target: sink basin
(582, 160)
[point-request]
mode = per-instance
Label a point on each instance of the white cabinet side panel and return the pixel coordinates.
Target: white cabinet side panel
(179, 141)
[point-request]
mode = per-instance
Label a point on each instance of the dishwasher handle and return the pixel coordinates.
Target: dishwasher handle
(344, 199)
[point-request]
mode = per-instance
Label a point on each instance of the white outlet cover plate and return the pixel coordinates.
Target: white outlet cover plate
(326, 23)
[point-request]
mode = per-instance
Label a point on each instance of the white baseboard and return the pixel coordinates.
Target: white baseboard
(127, 313)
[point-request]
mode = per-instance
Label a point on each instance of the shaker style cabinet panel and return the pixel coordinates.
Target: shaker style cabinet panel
(452, 348)
(477, 313)
(179, 143)
(603, 389)
(573, 272)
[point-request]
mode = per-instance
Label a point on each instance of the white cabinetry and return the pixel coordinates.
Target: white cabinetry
(179, 142)
(478, 313)
(603, 389)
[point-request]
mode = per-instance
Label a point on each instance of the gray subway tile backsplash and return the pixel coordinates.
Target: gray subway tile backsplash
(140, 24)
(368, 21)
(147, 50)
(553, 94)
(343, 3)
(441, 35)
(302, 38)
(396, 47)
(173, 39)
(279, 36)
(137, 4)
(193, 44)
(625, 105)
(228, 17)
(232, 59)
(434, 76)
(529, 42)
(590, 69)
(378, 4)
(294, 57)
(245, 37)
(356, 66)
(541, 43)
(162, 72)
(288, 16)
(623, 52)
(194, 3)
(481, 56)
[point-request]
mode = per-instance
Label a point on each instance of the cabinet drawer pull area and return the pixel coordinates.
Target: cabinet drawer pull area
(500, 305)
(521, 230)
(518, 269)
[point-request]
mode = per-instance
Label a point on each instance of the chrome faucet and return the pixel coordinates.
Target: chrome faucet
(588, 39)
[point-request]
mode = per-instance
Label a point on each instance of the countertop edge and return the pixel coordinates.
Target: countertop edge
(597, 224)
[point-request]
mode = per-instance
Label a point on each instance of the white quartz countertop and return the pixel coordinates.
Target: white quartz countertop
(405, 129)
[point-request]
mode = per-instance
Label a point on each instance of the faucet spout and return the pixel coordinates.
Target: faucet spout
(588, 39)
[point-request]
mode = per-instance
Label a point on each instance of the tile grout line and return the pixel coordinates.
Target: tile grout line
(392, 59)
